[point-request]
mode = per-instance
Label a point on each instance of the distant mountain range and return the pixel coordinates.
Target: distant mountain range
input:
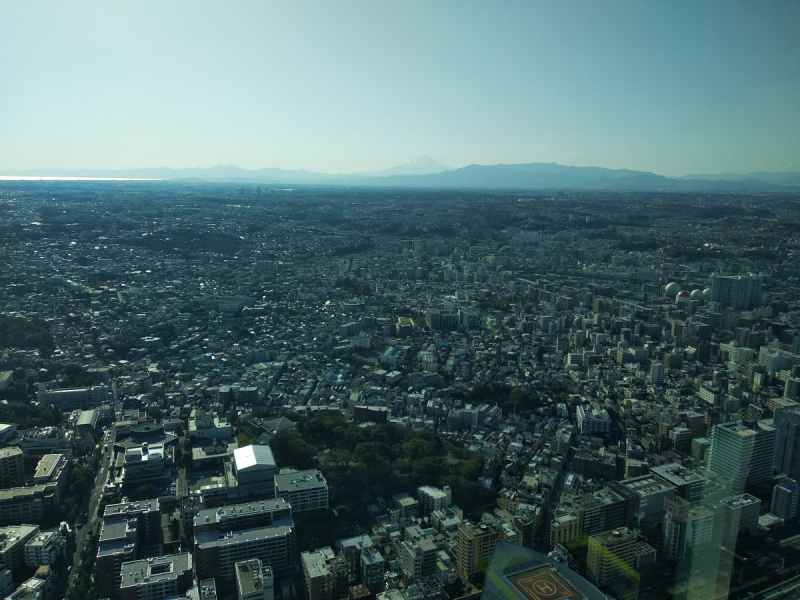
(424, 172)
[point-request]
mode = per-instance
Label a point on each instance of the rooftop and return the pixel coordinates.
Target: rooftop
(153, 570)
(251, 457)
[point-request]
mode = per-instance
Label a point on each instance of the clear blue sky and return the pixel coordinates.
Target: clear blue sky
(338, 86)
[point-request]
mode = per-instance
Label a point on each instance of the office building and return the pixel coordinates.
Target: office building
(699, 528)
(787, 441)
(645, 497)
(28, 504)
(739, 513)
(611, 556)
(742, 452)
(602, 511)
(784, 500)
(306, 491)
(156, 578)
(676, 511)
(688, 484)
(254, 580)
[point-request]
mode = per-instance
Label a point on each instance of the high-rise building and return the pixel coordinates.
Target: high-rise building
(739, 292)
(739, 513)
(601, 511)
(791, 388)
(699, 528)
(784, 500)
(611, 556)
(676, 510)
(645, 496)
(742, 452)
(657, 373)
(787, 442)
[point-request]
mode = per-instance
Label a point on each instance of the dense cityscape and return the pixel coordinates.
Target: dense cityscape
(319, 393)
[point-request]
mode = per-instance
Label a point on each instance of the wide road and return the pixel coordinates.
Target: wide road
(87, 510)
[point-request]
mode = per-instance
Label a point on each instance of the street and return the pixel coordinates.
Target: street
(87, 510)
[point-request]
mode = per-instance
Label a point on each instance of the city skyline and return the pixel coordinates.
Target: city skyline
(355, 87)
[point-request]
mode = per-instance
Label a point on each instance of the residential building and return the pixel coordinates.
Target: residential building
(254, 580)
(474, 547)
(217, 552)
(306, 491)
(156, 578)
(318, 574)
(12, 545)
(12, 469)
(45, 548)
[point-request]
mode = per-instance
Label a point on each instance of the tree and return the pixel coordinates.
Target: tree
(80, 479)
(145, 492)
(246, 438)
(290, 449)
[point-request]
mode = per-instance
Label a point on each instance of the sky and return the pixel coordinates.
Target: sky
(670, 87)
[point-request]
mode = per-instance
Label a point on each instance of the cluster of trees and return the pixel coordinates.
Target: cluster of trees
(33, 332)
(18, 408)
(82, 586)
(379, 460)
(509, 399)
(81, 480)
(145, 492)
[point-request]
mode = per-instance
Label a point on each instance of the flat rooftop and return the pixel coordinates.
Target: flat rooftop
(153, 570)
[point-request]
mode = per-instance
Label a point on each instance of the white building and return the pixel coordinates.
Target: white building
(44, 548)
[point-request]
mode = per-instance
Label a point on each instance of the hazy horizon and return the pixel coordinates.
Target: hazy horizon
(353, 87)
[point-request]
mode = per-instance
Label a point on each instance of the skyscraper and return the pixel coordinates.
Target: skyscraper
(676, 510)
(742, 452)
(787, 441)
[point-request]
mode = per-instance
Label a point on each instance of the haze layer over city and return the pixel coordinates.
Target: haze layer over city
(419, 301)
